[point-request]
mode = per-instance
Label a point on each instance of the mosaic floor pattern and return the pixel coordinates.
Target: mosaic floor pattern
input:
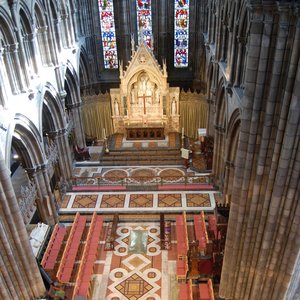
(169, 200)
(141, 200)
(194, 200)
(85, 201)
(133, 202)
(109, 201)
(135, 277)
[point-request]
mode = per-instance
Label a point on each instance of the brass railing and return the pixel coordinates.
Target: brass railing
(141, 180)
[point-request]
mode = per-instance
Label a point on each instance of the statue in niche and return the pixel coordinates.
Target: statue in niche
(174, 107)
(143, 85)
(116, 105)
(133, 93)
(156, 95)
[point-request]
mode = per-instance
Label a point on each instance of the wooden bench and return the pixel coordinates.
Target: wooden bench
(68, 259)
(201, 232)
(206, 291)
(83, 280)
(53, 248)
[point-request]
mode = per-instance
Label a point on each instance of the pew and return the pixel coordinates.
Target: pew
(83, 280)
(201, 232)
(206, 291)
(53, 248)
(68, 259)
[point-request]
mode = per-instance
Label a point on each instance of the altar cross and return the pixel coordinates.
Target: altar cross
(144, 100)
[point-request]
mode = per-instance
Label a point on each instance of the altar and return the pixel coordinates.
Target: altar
(144, 107)
(145, 133)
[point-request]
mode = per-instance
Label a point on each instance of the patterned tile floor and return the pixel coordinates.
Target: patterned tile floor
(130, 202)
(126, 273)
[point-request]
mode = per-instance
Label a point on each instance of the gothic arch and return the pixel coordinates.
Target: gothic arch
(27, 142)
(51, 101)
(72, 86)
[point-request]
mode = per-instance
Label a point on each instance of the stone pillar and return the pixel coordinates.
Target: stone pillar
(263, 229)
(60, 82)
(240, 57)
(44, 46)
(17, 66)
(28, 282)
(74, 13)
(23, 70)
(36, 51)
(10, 70)
(50, 195)
(124, 30)
(4, 84)
(78, 124)
(64, 18)
(39, 200)
(64, 156)
(57, 29)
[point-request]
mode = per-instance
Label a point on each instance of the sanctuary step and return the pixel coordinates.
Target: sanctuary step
(142, 157)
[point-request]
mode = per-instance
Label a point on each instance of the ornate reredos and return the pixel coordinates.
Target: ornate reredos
(144, 96)
(143, 61)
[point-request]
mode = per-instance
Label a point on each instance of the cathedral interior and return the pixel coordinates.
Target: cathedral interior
(150, 149)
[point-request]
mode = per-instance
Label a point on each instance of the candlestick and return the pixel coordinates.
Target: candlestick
(182, 131)
(104, 134)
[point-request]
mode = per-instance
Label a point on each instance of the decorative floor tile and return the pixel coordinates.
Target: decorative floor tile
(85, 201)
(141, 200)
(113, 201)
(196, 200)
(169, 200)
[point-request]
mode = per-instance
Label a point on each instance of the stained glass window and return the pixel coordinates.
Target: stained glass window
(108, 31)
(181, 34)
(144, 20)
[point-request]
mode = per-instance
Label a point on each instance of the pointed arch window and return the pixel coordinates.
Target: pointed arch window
(108, 31)
(144, 21)
(181, 33)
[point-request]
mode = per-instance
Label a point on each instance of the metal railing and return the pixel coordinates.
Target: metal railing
(141, 180)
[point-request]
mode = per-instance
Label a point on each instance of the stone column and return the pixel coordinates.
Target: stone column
(263, 229)
(10, 70)
(39, 200)
(50, 195)
(240, 57)
(4, 84)
(43, 44)
(23, 70)
(261, 29)
(78, 124)
(17, 66)
(57, 28)
(36, 51)
(74, 13)
(60, 82)
(15, 237)
(64, 156)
